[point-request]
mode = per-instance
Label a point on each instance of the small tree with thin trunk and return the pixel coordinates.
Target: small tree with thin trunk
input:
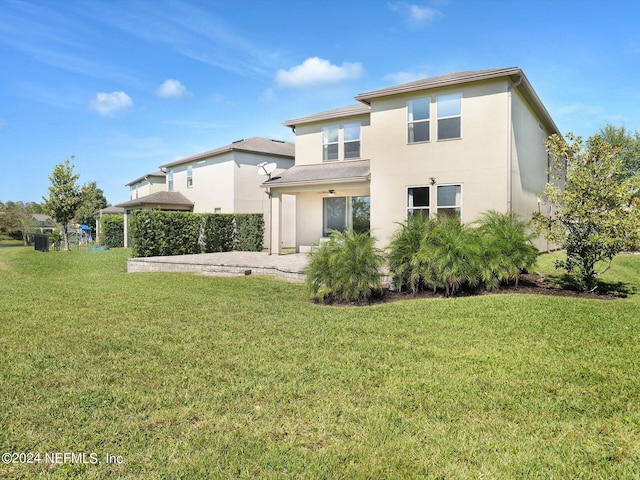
(591, 207)
(64, 196)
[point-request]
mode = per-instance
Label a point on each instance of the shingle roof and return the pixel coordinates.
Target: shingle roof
(440, 81)
(159, 174)
(110, 210)
(323, 173)
(175, 199)
(265, 146)
(515, 74)
(350, 110)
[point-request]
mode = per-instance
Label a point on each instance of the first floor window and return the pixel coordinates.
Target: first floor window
(340, 213)
(449, 200)
(418, 201)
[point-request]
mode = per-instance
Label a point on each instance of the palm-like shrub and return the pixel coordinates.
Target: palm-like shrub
(346, 268)
(404, 244)
(448, 257)
(506, 248)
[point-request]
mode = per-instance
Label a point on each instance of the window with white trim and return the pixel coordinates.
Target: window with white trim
(449, 201)
(418, 201)
(170, 180)
(189, 176)
(351, 146)
(340, 213)
(418, 120)
(341, 142)
(449, 109)
(330, 143)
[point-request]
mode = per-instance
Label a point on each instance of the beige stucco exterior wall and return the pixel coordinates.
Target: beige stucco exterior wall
(230, 182)
(147, 187)
(529, 161)
(477, 161)
(309, 139)
(213, 185)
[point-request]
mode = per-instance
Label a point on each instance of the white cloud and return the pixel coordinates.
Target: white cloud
(172, 89)
(415, 14)
(107, 104)
(315, 71)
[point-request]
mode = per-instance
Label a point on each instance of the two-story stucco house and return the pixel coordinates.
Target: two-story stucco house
(147, 184)
(223, 180)
(455, 144)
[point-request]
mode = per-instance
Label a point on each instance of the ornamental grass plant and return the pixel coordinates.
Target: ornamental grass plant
(346, 268)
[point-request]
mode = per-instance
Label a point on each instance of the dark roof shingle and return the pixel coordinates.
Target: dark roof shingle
(265, 146)
(175, 199)
(323, 173)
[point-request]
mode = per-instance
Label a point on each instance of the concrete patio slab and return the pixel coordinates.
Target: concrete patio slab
(288, 266)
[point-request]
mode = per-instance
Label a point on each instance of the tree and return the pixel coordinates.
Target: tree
(17, 218)
(592, 214)
(629, 146)
(92, 199)
(64, 196)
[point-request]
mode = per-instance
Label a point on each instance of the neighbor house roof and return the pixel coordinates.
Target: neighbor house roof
(43, 219)
(264, 146)
(158, 174)
(515, 74)
(350, 110)
(330, 172)
(159, 200)
(109, 210)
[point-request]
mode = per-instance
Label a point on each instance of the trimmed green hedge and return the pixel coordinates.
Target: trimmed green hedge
(158, 233)
(112, 230)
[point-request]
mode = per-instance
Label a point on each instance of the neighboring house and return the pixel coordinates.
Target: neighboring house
(98, 216)
(44, 223)
(150, 183)
(224, 180)
(455, 144)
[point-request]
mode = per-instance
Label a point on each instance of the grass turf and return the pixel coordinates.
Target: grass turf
(186, 376)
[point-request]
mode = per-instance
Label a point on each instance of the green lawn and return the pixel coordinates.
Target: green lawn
(193, 377)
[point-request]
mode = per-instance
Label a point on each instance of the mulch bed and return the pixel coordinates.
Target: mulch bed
(530, 284)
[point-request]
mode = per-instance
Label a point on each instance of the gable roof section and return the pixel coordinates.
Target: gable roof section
(158, 174)
(515, 74)
(159, 199)
(330, 172)
(259, 145)
(350, 110)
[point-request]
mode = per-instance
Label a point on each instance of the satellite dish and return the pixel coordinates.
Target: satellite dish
(266, 169)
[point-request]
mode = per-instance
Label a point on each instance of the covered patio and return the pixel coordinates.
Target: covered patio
(288, 266)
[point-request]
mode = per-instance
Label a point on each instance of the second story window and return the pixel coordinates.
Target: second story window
(341, 142)
(418, 120)
(170, 180)
(330, 143)
(352, 140)
(449, 116)
(189, 176)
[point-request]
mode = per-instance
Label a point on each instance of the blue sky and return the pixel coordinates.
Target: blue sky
(126, 86)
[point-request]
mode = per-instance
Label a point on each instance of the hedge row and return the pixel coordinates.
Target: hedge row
(157, 233)
(112, 230)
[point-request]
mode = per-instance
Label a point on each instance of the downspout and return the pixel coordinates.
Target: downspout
(268, 191)
(510, 145)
